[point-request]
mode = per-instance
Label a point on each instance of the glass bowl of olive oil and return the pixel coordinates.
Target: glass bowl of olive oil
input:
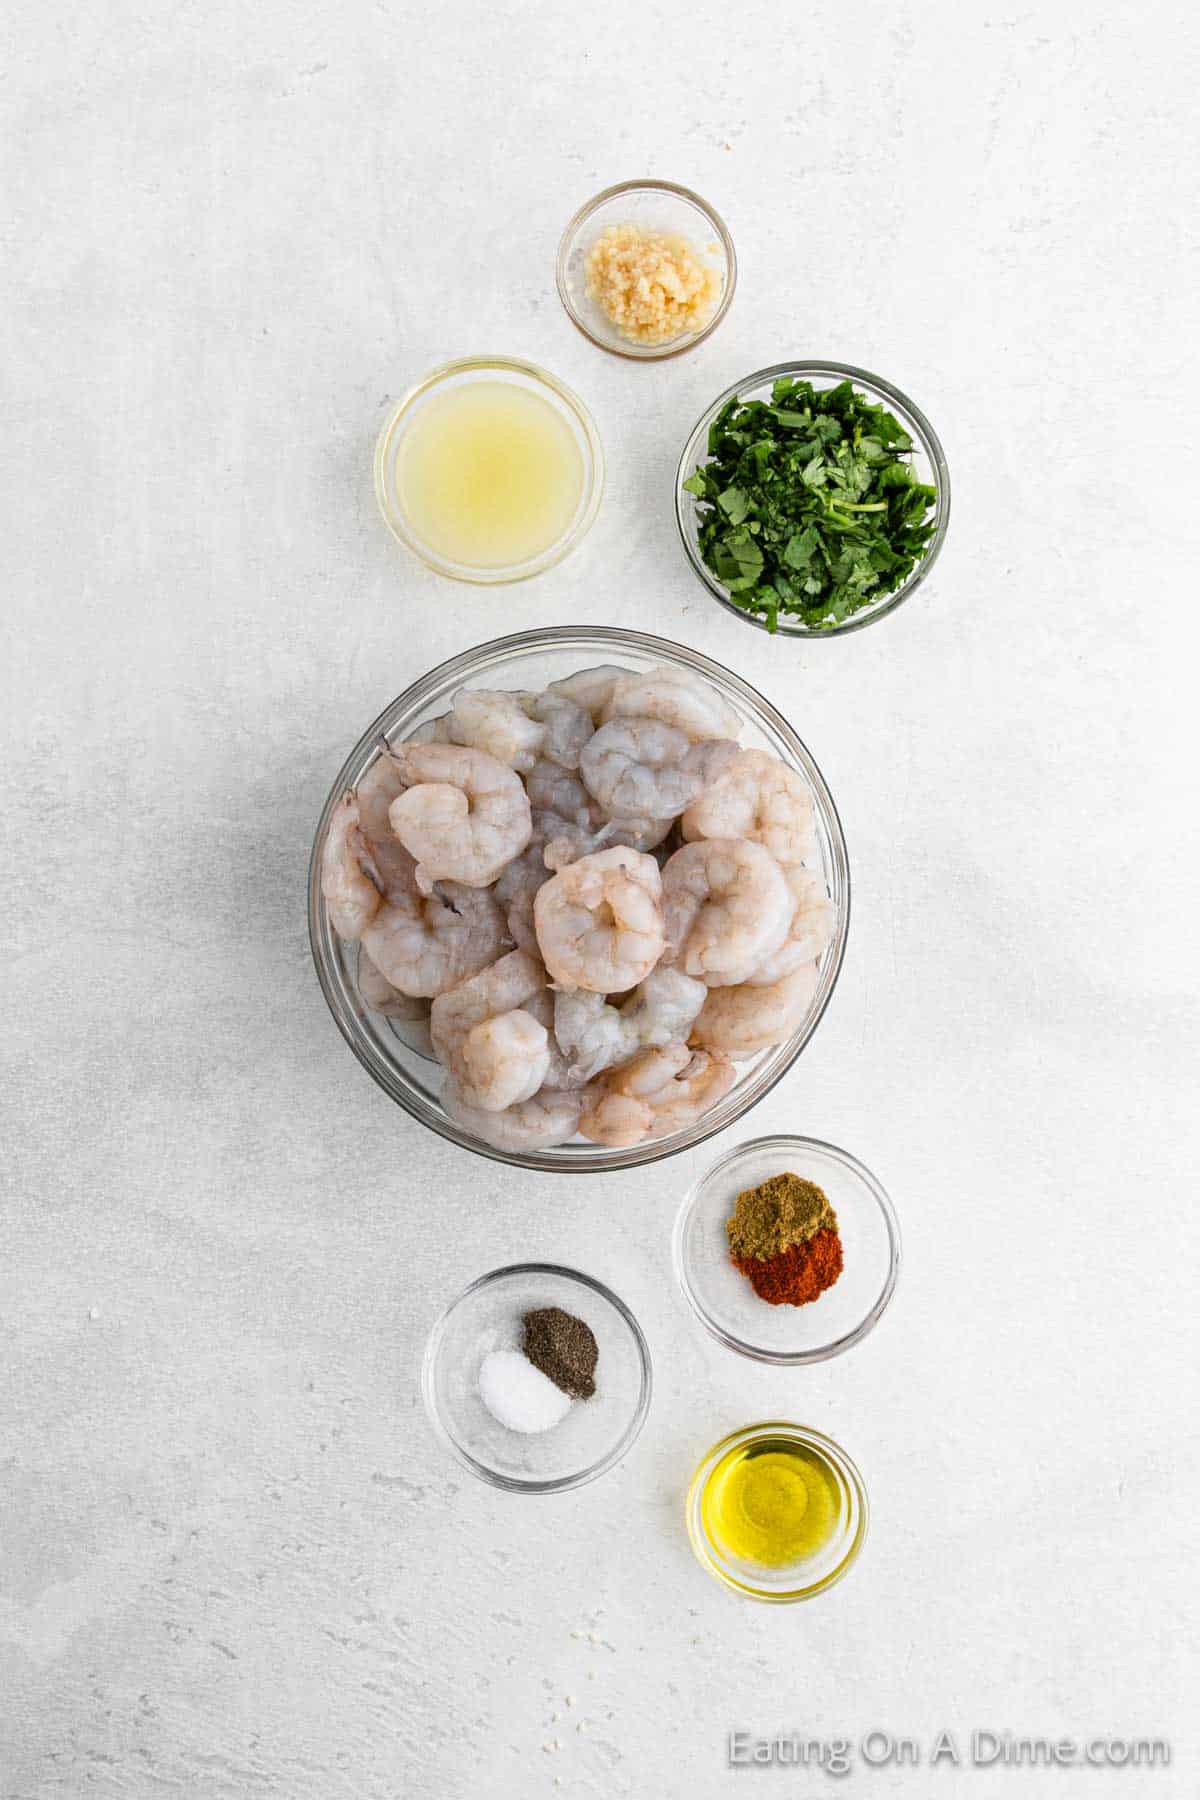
(777, 1512)
(489, 469)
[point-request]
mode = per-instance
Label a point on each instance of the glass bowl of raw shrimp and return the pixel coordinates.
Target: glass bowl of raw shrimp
(390, 1037)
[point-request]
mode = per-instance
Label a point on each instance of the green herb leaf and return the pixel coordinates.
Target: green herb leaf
(800, 548)
(740, 561)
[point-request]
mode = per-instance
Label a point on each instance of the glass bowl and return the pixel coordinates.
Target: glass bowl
(807, 1576)
(656, 206)
(569, 407)
(723, 1299)
(595, 1434)
(928, 460)
(529, 660)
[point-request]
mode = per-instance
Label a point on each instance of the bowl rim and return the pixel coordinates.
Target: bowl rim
(804, 1434)
(495, 1477)
(394, 518)
(792, 1142)
(930, 443)
(462, 665)
(674, 346)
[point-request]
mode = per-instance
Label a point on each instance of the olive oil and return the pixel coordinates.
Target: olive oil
(488, 474)
(772, 1502)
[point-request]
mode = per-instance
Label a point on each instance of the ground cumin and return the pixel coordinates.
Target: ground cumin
(780, 1211)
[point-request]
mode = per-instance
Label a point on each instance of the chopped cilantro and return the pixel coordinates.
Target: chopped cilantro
(808, 508)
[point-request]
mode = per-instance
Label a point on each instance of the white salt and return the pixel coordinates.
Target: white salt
(519, 1396)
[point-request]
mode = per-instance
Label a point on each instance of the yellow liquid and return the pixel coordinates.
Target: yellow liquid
(488, 474)
(772, 1504)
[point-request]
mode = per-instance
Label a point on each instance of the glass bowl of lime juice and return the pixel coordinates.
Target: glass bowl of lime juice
(489, 469)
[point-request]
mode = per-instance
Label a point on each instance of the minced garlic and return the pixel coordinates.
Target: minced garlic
(651, 287)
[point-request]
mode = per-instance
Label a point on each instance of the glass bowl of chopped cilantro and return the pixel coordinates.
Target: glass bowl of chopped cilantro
(812, 498)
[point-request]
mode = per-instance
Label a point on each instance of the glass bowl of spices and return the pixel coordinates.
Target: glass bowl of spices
(788, 1250)
(812, 498)
(777, 1512)
(489, 469)
(537, 1378)
(646, 269)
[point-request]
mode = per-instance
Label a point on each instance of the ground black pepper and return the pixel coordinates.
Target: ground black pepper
(562, 1347)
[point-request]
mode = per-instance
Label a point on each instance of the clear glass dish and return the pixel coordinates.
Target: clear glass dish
(805, 1577)
(928, 459)
(530, 660)
(656, 206)
(595, 1434)
(723, 1299)
(528, 375)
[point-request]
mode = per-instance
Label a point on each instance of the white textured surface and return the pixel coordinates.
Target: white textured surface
(233, 1560)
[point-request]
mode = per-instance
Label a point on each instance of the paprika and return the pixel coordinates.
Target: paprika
(797, 1275)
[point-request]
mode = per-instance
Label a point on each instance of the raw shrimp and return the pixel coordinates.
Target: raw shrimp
(433, 731)
(498, 1054)
(637, 834)
(559, 798)
(760, 798)
(568, 726)
(559, 1073)
(350, 882)
(592, 1035)
(743, 1020)
(687, 1096)
(375, 792)
(425, 944)
(727, 908)
(686, 702)
(571, 824)
(642, 769)
(567, 843)
(498, 724)
(378, 994)
(515, 892)
(567, 838)
(659, 1091)
(596, 1035)
(663, 1007)
(551, 1117)
(617, 1110)
(464, 815)
(506, 983)
(590, 688)
(409, 1015)
(505, 1060)
(599, 921)
(809, 932)
(552, 789)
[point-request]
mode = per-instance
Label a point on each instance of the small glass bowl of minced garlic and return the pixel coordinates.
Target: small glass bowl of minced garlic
(537, 1378)
(646, 269)
(777, 1512)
